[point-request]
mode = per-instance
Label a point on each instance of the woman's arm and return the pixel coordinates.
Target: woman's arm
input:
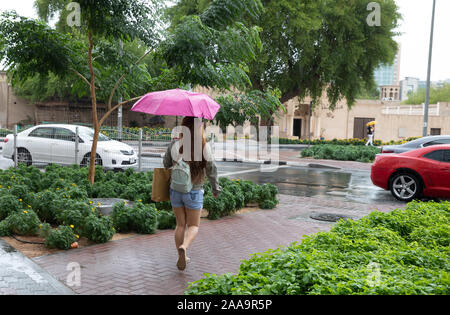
(211, 171)
(168, 161)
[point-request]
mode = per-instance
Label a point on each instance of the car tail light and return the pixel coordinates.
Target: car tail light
(5, 140)
(387, 151)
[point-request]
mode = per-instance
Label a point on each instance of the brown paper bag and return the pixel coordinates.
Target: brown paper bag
(161, 184)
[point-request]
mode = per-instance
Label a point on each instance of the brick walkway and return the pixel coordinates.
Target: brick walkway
(147, 264)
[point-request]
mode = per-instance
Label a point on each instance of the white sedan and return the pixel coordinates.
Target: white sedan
(45, 144)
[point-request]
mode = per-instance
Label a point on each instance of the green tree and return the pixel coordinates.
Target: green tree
(211, 49)
(252, 106)
(437, 94)
(311, 46)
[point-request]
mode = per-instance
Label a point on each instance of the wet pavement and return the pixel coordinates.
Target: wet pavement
(21, 276)
(345, 184)
(353, 186)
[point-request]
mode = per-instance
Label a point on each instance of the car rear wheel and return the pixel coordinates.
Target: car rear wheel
(87, 158)
(23, 157)
(406, 187)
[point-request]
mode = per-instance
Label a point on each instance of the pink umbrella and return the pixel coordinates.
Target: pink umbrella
(177, 103)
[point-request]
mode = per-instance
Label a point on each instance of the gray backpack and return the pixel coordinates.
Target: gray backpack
(181, 177)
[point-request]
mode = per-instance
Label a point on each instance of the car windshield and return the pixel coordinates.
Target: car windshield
(88, 134)
(414, 143)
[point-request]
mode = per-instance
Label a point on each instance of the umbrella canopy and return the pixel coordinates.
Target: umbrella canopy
(372, 123)
(177, 103)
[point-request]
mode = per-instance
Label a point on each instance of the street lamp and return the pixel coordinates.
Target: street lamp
(427, 96)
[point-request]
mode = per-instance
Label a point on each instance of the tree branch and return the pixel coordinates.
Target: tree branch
(109, 112)
(122, 77)
(82, 77)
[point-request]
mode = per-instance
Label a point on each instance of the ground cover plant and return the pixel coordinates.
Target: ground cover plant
(236, 194)
(402, 252)
(58, 203)
(342, 153)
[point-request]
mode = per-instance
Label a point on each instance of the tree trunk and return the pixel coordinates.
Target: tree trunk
(91, 175)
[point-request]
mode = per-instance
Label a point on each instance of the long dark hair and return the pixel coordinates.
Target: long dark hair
(197, 167)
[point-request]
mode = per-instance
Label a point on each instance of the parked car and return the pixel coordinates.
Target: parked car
(413, 174)
(416, 144)
(56, 144)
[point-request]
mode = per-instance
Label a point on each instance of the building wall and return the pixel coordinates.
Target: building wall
(340, 123)
(13, 110)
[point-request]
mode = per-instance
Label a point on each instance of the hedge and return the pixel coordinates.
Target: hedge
(402, 252)
(342, 153)
(359, 142)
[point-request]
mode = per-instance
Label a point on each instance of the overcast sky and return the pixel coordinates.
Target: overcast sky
(415, 29)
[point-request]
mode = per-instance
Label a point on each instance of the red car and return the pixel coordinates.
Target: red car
(413, 174)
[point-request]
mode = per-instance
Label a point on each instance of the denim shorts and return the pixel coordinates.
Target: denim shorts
(192, 200)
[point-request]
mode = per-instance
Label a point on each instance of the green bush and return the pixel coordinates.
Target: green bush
(24, 222)
(5, 230)
(358, 142)
(98, 230)
(9, 204)
(166, 220)
(140, 218)
(122, 218)
(144, 218)
(62, 238)
(342, 153)
(402, 252)
(236, 194)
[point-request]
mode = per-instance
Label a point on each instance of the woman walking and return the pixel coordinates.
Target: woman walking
(370, 132)
(188, 174)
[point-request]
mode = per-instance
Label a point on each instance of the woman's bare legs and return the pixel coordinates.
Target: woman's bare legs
(193, 221)
(180, 230)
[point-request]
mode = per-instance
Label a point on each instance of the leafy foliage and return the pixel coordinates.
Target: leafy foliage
(401, 252)
(61, 238)
(98, 230)
(166, 220)
(312, 46)
(236, 194)
(342, 153)
(437, 94)
(140, 218)
(236, 109)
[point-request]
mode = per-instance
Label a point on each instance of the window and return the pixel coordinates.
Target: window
(437, 142)
(447, 156)
(64, 134)
(435, 131)
(43, 132)
(437, 155)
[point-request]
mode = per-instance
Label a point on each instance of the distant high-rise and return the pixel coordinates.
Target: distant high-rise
(389, 74)
(408, 86)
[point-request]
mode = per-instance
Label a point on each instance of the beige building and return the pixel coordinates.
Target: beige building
(395, 121)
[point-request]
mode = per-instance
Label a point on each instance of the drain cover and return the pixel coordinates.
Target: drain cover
(329, 217)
